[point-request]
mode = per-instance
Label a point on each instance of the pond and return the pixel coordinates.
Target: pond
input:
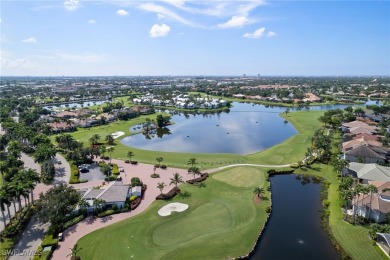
(244, 129)
(294, 229)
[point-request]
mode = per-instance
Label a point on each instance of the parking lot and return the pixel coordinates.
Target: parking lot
(93, 174)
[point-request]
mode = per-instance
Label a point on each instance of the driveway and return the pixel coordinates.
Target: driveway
(94, 173)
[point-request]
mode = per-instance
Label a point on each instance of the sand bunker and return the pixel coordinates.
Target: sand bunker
(167, 209)
(117, 134)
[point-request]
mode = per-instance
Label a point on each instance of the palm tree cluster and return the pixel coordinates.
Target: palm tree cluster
(17, 181)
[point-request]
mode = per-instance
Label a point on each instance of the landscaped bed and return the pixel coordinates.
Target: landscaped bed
(222, 221)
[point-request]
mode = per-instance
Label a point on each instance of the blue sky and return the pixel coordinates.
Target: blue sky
(188, 37)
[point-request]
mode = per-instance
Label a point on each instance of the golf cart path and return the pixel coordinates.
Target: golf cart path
(143, 171)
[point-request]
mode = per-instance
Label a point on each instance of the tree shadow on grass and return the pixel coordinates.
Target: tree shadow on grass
(185, 195)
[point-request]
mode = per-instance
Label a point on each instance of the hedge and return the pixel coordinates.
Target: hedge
(172, 193)
(74, 173)
(49, 241)
(18, 223)
(73, 221)
(203, 176)
(134, 204)
(107, 213)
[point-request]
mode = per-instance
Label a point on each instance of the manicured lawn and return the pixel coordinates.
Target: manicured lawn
(222, 221)
(241, 177)
(354, 239)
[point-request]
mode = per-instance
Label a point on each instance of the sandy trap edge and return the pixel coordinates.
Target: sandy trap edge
(176, 206)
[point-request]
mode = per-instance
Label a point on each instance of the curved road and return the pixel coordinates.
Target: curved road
(35, 231)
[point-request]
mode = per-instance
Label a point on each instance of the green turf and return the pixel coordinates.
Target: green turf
(241, 177)
(222, 221)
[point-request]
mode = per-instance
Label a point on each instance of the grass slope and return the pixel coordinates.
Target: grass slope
(222, 221)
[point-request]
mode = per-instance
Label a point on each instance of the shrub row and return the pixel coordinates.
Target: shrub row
(135, 203)
(73, 221)
(74, 173)
(203, 176)
(273, 172)
(172, 193)
(49, 240)
(107, 213)
(18, 223)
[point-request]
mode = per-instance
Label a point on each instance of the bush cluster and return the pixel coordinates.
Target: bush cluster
(74, 173)
(107, 213)
(135, 203)
(202, 177)
(134, 162)
(18, 223)
(73, 221)
(166, 196)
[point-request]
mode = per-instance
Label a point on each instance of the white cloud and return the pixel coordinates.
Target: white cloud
(256, 34)
(271, 34)
(71, 5)
(30, 40)
(159, 30)
(8, 62)
(92, 21)
(162, 11)
(235, 21)
(122, 12)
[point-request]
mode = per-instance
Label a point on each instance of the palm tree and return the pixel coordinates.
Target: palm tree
(130, 154)
(110, 139)
(98, 203)
(75, 250)
(194, 170)
(110, 150)
(372, 189)
(4, 201)
(94, 140)
(161, 186)
(83, 204)
(358, 189)
(103, 149)
(31, 178)
(258, 191)
(346, 197)
(192, 161)
(176, 179)
(159, 160)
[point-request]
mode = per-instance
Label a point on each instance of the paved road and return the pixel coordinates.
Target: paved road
(35, 231)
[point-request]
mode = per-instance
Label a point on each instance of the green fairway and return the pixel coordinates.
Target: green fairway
(241, 177)
(222, 221)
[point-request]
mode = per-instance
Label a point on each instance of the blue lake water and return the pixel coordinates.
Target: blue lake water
(246, 128)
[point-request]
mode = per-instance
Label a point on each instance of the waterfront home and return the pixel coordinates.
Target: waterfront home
(365, 154)
(375, 206)
(365, 172)
(57, 127)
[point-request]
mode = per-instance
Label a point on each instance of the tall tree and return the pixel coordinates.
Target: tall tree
(176, 179)
(56, 203)
(372, 189)
(109, 139)
(192, 162)
(159, 160)
(110, 150)
(130, 154)
(161, 186)
(258, 191)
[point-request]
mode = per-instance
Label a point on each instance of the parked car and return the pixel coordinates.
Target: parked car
(60, 237)
(59, 162)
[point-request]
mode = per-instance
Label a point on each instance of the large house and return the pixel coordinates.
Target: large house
(365, 154)
(375, 206)
(365, 172)
(116, 193)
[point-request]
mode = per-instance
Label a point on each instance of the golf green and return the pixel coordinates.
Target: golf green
(222, 221)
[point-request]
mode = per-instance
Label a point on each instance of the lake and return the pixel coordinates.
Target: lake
(246, 128)
(294, 229)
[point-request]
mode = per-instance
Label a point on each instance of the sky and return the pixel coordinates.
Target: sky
(189, 37)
